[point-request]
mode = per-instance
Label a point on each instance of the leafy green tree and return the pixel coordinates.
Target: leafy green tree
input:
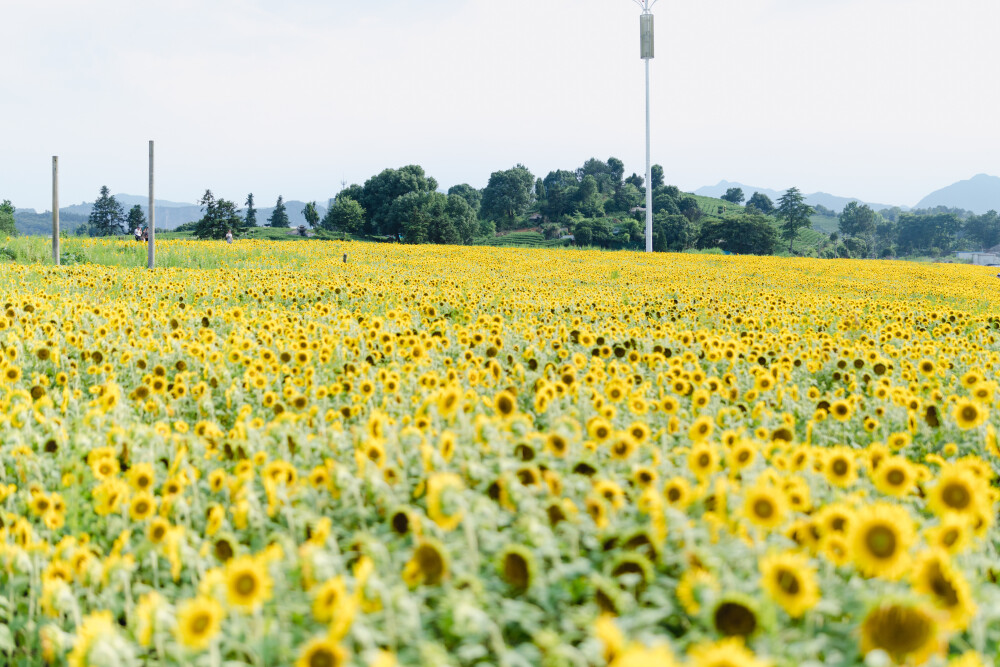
(471, 195)
(665, 202)
(560, 194)
(689, 208)
(251, 216)
(539, 190)
(859, 222)
(583, 235)
(279, 218)
(745, 234)
(734, 195)
(311, 215)
(508, 195)
(794, 214)
(7, 225)
(136, 219)
(107, 218)
(462, 217)
(588, 198)
(984, 229)
(381, 191)
(656, 176)
(672, 232)
(344, 215)
(616, 168)
(219, 217)
(636, 180)
(927, 233)
(761, 202)
(601, 172)
(626, 198)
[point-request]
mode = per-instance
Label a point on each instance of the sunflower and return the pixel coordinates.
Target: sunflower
(690, 587)
(322, 652)
(640, 656)
(741, 455)
(934, 576)
(729, 652)
(765, 506)
(907, 632)
(248, 583)
(958, 490)
(841, 410)
(622, 446)
(142, 506)
(790, 580)
(678, 492)
(449, 400)
(599, 429)
(198, 622)
(953, 534)
(517, 567)
(736, 616)
(841, 467)
(428, 565)
(879, 539)
(504, 404)
(443, 493)
(703, 460)
(969, 414)
(895, 477)
(701, 428)
(329, 599)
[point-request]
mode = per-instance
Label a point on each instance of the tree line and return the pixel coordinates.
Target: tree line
(592, 205)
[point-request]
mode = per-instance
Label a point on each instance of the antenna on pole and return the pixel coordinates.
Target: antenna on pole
(646, 53)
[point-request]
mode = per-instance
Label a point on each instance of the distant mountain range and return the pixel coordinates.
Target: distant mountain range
(832, 202)
(979, 194)
(169, 214)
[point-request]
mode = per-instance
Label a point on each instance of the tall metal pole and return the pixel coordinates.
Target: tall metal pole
(649, 174)
(55, 209)
(646, 53)
(151, 253)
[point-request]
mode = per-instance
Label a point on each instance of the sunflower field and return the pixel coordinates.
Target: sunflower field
(432, 455)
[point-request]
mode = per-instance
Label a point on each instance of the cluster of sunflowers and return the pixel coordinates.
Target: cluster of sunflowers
(470, 456)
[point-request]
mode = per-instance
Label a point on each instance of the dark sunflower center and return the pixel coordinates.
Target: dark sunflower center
(322, 658)
(895, 477)
(881, 541)
(942, 587)
(200, 623)
(839, 467)
(245, 584)
(735, 620)
(788, 582)
(515, 570)
(898, 630)
(956, 496)
(763, 508)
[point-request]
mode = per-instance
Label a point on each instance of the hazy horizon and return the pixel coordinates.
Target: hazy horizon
(883, 100)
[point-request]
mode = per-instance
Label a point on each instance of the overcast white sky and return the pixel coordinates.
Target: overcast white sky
(885, 100)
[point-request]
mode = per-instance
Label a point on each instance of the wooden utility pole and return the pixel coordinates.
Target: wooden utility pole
(152, 213)
(55, 209)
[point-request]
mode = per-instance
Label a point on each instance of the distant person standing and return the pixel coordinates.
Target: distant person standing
(229, 236)
(145, 234)
(138, 234)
